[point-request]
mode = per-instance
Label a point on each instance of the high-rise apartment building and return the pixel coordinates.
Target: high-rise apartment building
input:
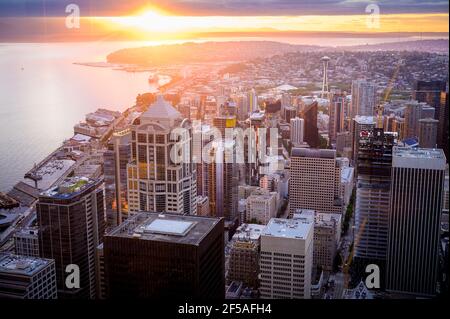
(315, 181)
(286, 259)
(71, 220)
(24, 277)
(156, 181)
(152, 255)
(116, 159)
(414, 220)
(364, 98)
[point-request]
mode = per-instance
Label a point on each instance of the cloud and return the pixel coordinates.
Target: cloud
(220, 7)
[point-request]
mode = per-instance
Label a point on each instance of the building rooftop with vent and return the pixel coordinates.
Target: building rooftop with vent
(289, 228)
(22, 265)
(166, 227)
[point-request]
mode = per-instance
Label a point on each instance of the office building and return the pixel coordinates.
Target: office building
(344, 144)
(223, 179)
(71, 220)
(24, 277)
(286, 259)
(244, 255)
(157, 182)
(327, 235)
(336, 114)
(315, 181)
(311, 132)
(151, 255)
(414, 220)
(364, 98)
(415, 111)
(116, 158)
(372, 197)
(428, 131)
(360, 124)
(261, 206)
(297, 131)
(26, 242)
(430, 92)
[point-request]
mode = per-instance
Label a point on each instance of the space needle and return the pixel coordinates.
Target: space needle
(325, 61)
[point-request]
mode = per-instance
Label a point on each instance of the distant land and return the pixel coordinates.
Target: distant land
(205, 52)
(191, 52)
(436, 45)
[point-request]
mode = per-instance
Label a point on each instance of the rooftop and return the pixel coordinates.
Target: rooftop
(362, 119)
(425, 158)
(166, 227)
(248, 232)
(69, 187)
(22, 265)
(315, 153)
(289, 228)
(161, 109)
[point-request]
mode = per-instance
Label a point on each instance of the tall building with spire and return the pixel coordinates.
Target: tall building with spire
(156, 181)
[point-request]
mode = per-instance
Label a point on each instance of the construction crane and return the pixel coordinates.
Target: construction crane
(380, 107)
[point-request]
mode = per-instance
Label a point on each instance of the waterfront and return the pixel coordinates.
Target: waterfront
(43, 94)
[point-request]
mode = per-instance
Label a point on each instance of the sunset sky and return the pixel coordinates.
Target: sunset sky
(139, 19)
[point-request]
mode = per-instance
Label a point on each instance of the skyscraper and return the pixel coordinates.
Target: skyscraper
(152, 255)
(430, 92)
(364, 98)
(71, 219)
(336, 113)
(315, 181)
(374, 160)
(414, 220)
(443, 132)
(24, 277)
(297, 131)
(115, 173)
(428, 130)
(360, 123)
(223, 181)
(414, 111)
(155, 181)
(252, 100)
(309, 115)
(286, 259)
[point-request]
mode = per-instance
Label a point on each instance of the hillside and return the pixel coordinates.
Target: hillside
(203, 52)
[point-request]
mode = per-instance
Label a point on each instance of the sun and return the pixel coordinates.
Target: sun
(148, 20)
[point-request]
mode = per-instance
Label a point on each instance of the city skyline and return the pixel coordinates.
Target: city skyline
(207, 150)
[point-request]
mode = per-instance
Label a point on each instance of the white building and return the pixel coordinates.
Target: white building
(155, 182)
(261, 206)
(297, 131)
(286, 259)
